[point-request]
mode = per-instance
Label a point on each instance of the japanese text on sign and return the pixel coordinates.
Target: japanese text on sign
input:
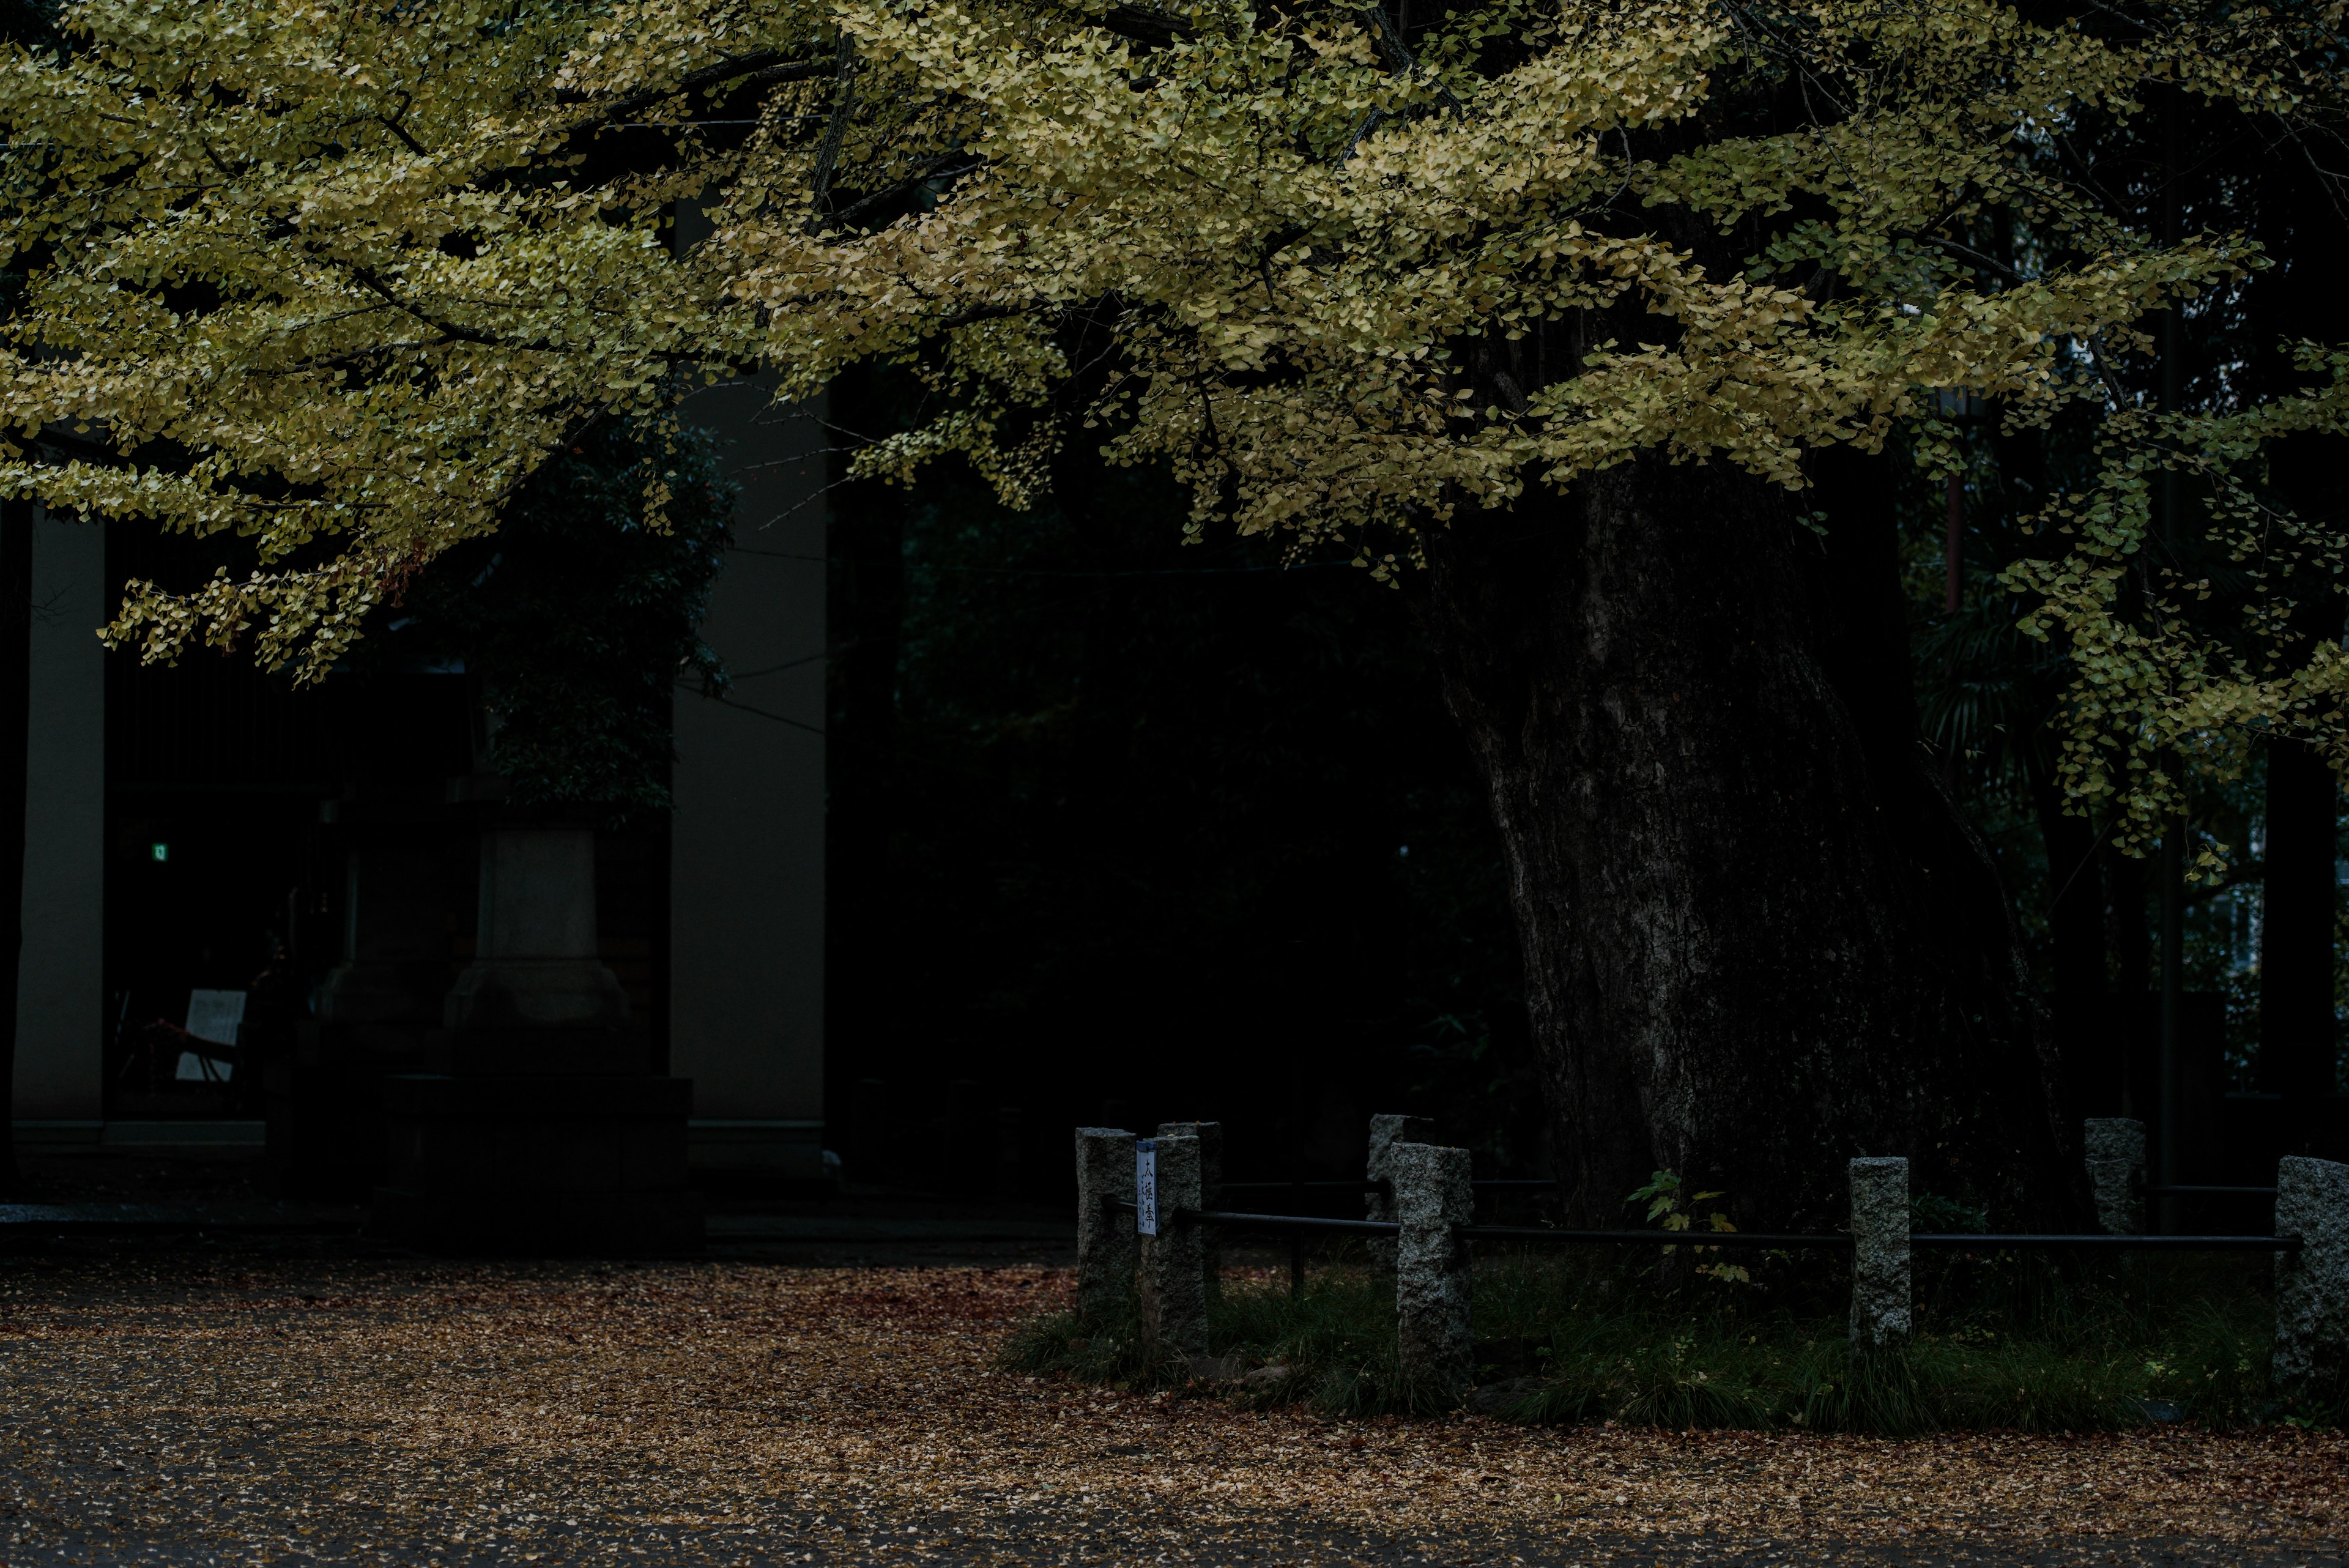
(1145, 1187)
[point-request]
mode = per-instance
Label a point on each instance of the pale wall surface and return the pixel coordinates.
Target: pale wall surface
(746, 977)
(61, 1003)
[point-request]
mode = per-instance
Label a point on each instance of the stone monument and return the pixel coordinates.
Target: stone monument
(379, 1012)
(546, 1130)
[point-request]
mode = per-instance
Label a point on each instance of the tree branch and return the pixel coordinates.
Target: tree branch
(978, 313)
(935, 170)
(391, 123)
(382, 291)
(1397, 57)
(1151, 29)
(764, 68)
(828, 159)
(1966, 251)
(405, 140)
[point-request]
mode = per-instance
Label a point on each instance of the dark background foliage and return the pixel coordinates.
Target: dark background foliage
(577, 618)
(1133, 831)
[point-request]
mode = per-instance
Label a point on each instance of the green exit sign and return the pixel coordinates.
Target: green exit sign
(159, 850)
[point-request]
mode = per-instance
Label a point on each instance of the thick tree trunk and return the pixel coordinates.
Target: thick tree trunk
(1757, 938)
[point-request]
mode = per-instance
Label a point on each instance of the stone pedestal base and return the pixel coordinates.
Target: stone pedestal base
(538, 1164)
(325, 1106)
(509, 992)
(547, 1053)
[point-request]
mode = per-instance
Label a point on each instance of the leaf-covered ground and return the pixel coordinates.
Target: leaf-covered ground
(255, 1409)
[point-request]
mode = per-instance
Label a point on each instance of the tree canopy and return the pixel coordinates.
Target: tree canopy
(342, 279)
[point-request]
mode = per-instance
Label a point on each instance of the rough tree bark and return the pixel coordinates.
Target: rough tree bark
(1758, 938)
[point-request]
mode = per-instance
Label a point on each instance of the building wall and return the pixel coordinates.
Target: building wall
(746, 868)
(61, 999)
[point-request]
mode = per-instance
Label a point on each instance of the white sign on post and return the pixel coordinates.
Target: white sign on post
(1145, 1187)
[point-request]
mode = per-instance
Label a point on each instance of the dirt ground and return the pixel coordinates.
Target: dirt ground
(188, 1407)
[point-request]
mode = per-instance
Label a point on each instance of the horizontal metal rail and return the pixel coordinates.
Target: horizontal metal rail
(1268, 1221)
(1932, 1240)
(1824, 1240)
(2110, 1243)
(2207, 1191)
(1648, 1238)
(1285, 1222)
(1376, 1184)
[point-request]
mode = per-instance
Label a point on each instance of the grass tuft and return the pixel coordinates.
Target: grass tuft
(2003, 1341)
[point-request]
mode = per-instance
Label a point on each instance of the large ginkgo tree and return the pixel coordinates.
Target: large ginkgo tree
(1586, 326)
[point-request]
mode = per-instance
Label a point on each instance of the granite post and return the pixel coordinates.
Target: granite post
(1879, 1254)
(1386, 1131)
(1432, 1340)
(1211, 1191)
(1211, 1156)
(1173, 1281)
(2311, 1336)
(1104, 1233)
(2116, 1148)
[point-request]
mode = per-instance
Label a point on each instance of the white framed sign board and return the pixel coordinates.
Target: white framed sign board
(215, 1017)
(1145, 1187)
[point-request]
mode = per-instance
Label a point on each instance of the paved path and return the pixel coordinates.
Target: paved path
(247, 1409)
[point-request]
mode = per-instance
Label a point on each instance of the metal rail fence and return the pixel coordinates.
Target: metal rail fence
(1144, 1205)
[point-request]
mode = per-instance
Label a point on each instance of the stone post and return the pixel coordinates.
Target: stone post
(2312, 1337)
(1211, 1156)
(1386, 1131)
(1879, 1254)
(2116, 1149)
(1211, 1192)
(1173, 1281)
(1432, 1341)
(1104, 1235)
